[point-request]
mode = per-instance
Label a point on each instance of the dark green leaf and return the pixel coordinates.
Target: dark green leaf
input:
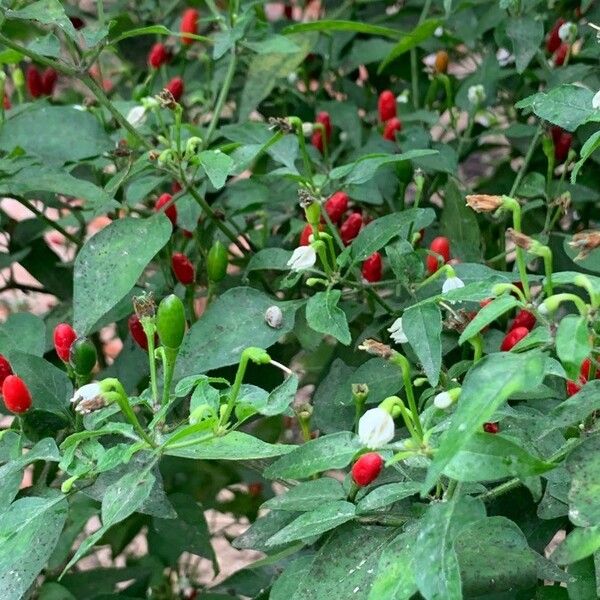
(325, 316)
(487, 315)
(423, 327)
(309, 495)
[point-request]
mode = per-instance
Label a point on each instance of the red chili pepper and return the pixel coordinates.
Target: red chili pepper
(336, 206)
(390, 129)
(158, 55)
(553, 40)
(288, 11)
(513, 337)
(171, 212)
(491, 427)
(523, 319)
(17, 397)
(64, 336)
(49, 77)
(386, 106)
(6, 102)
(317, 138)
(440, 245)
(189, 24)
(77, 22)
(584, 374)
(372, 268)
(562, 143)
(305, 235)
(350, 227)
(367, 468)
(255, 489)
(5, 369)
(183, 268)
(137, 332)
(561, 54)
(176, 87)
(34, 82)
(176, 187)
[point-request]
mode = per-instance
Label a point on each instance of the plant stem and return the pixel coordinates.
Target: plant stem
(526, 161)
(235, 389)
(401, 361)
(47, 220)
(149, 330)
(512, 205)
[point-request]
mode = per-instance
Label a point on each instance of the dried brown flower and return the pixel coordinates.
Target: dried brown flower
(483, 203)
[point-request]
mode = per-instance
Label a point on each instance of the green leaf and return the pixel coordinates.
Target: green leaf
(148, 30)
(273, 44)
(577, 408)
(487, 315)
(275, 259)
(54, 143)
(29, 531)
(23, 332)
(217, 166)
(387, 494)
(422, 325)
(333, 451)
(479, 547)
(325, 25)
(488, 457)
(435, 564)
(526, 34)
(579, 544)
(234, 321)
(567, 106)
(315, 522)
(486, 387)
(235, 445)
(584, 466)
(47, 12)
(573, 344)
(419, 34)
(256, 536)
(111, 262)
(308, 495)
(379, 232)
(591, 145)
(325, 316)
(365, 168)
(280, 398)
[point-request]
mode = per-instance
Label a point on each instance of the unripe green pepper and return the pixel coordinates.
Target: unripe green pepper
(216, 263)
(82, 356)
(170, 321)
(18, 79)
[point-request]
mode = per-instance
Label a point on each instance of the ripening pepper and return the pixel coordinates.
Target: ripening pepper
(386, 106)
(372, 268)
(390, 129)
(367, 468)
(523, 319)
(158, 55)
(513, 337)
(5, 369)
(584, 374)
(17, 396)
(553, 40)
(183, 268)
(176, 87)
(562, 143)
(306, 233)
(170, 321)
(350, 227)
(440, 245)
(171, 211)
(317, 137)
(441, 62)
(83, 356)
(336, 205)
(137, 332)
(64, 336)
(560, 55)
(34, 82)
(49, 77)
(216, 262)
(189, 24)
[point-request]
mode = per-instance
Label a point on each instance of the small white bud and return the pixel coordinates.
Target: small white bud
(476, 94)
(567, 32)
(303, 257)
(439, 32)
(443, 400)
(397, 332)
(307, 129)
(452, 283)
(504, 57)
(136, 116)
(376, 428)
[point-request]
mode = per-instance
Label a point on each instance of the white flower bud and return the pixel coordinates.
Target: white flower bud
(308, 129)
(376, 428)
(567, 32)
(452, 283)
(403, 97)
(504, 57)
(87, 398)
(136, 116)
(303, 257)
(343, 136)
(442, 400)
(476, 94)
(397, 332)
(439, 32)
(292, 77)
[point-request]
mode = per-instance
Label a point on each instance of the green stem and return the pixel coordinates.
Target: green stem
(402, 362)
(547, 256)
(47, 220)
(477, 342)
(235, 389)
(168, 355)
(511, 204)
(149, 330)
(526, 161)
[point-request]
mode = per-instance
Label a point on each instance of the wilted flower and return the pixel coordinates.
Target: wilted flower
(88, 398)
(303, 257)
(483, 203)
(585, 242)
(476, 94)
(397, 332)
(452, 283)
(377, 348)
(376, 428)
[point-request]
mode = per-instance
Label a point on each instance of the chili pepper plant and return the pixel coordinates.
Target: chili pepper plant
(327, 273)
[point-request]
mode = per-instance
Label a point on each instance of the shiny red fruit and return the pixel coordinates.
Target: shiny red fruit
(491, 427)
(523, 319)
(561, 54)
(34, 82)
(372, 268)
(171, 211)
(5, 369)
(336, 206)
(64, 336)
(572, 388)
(513, 337)
(386, 106)
(440, 245)
(158, 55)
(49, 77)
(189, 24)
(367, 468)
(17, 397)
(317, 137)
(390, 129)
(176, 87)
(350, 227)
(183, 268)
(553, 40)
(137, 332)
(562, 143)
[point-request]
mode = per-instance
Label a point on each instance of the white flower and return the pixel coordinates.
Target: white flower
(376, 428)
(504, 57)
(439, 32)
(136, 116)
(596, 100)
(343, 136)
(397, 332)
(303, 257)
(452, 283)
(292, 77)
(476, 94)
(567, 32)
(403, 97)
(442, 400)
(85, 398)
